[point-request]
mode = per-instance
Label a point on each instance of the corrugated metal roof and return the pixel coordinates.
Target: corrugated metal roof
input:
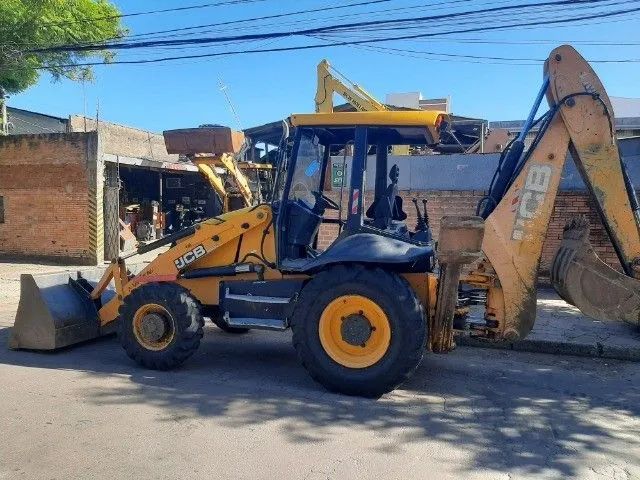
(27, 122)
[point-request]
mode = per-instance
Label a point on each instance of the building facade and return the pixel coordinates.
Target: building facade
(65, 185)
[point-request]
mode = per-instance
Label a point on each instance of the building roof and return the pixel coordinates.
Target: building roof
(270, 133)
(28, 122)
(119, 143)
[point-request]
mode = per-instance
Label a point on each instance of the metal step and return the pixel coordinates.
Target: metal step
(255, 298)
(257, 323)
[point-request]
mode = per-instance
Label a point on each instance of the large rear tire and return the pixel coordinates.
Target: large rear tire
(160, 325)
(359, 331)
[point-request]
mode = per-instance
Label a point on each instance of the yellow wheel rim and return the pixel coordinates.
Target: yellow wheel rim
(354, 331)
(153, 327)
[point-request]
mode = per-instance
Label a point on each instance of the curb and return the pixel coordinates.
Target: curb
(597, 350)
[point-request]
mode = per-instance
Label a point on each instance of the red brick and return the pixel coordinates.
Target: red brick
(44, 182)
(568, 205)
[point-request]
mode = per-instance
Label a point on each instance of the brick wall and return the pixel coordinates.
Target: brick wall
(49, 187)
(450, 202)
(569, 205)
(124, 141)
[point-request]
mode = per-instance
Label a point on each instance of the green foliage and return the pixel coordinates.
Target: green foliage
(29, 24)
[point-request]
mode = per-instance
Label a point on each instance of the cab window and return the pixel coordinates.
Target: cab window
(308, 173)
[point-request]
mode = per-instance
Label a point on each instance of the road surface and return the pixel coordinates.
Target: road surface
(242, 407)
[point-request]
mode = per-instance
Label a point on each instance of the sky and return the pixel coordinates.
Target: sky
(266, 87)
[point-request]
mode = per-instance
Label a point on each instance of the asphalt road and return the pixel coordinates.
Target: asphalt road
(243, 408)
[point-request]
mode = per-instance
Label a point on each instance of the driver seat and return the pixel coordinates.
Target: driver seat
(388, 207)
(304, 222)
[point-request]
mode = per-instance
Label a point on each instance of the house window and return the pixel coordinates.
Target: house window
(1, 209)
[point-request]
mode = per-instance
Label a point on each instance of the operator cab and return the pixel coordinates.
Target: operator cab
(322, 187)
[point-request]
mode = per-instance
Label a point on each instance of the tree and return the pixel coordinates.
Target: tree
(31, 24)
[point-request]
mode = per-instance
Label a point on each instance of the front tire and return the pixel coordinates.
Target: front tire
(160, 325)
(359, 331)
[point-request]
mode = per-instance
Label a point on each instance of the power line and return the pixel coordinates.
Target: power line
(553, 9)
(174, 32)
(567, 20)
(481, 41)
(309, 20)
(151, 12)
(333, 36)
(372, 13)
(367, 34)
(479, 60)
(309, 31)
(370, 43)
(265, 17)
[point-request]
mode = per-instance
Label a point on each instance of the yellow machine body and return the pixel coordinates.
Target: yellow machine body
(214, 243)
(243, 232)
(429, 119)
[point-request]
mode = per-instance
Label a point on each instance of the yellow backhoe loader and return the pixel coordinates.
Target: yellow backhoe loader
(364, 310)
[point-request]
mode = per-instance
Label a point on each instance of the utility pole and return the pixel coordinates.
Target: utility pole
(4, 122)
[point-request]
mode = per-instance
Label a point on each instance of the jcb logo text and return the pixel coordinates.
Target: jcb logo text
(190, 257)
(532, 197)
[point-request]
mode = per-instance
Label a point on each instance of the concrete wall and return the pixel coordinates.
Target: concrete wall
(124, 141)
(474, 171)
(51, 186)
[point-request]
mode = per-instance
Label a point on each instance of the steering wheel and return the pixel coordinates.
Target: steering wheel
(327, 202)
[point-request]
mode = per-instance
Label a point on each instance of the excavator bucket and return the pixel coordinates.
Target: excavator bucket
(585, 281)
(56, 310)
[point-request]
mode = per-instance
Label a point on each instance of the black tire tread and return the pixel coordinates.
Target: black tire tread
(186, 311)
(412, 311)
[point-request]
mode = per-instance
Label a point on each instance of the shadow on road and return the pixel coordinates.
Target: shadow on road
(509, 411)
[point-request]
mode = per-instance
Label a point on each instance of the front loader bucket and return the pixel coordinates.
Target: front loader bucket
(55, 310)
(585, 281)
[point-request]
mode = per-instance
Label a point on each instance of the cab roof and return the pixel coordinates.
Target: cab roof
(425, 118)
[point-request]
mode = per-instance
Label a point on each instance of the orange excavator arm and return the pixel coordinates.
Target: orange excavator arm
(518, 209)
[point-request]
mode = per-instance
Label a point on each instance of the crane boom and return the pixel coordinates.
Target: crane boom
(329, 83)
